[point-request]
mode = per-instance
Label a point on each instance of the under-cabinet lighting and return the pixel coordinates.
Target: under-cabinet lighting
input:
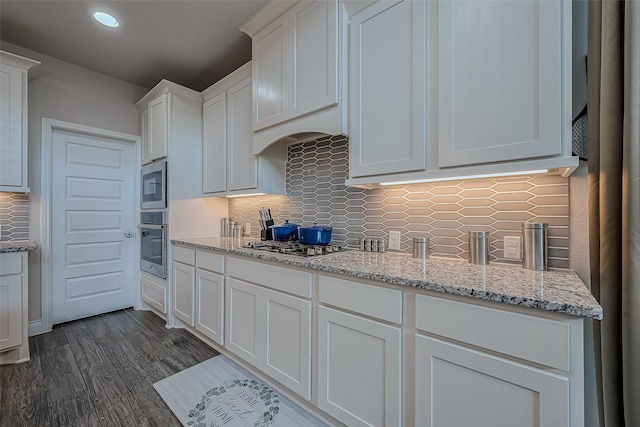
(106, 19)
(457, 178)
(245, 195)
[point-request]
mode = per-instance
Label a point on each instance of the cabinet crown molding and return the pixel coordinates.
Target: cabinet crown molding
(166, 86)
(266, 15)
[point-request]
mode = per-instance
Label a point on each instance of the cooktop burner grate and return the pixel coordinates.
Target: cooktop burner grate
(294, 248)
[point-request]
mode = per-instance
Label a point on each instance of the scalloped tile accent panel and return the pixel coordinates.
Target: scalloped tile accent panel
(444, 211)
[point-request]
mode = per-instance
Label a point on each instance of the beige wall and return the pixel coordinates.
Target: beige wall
(66, 92)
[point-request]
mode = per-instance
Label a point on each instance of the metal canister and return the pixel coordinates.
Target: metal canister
(230, 225)
(224, 227)
(367, 244)
(535, 250)
(479, 247)
(374, 245)
(421, 247)
(237, 230)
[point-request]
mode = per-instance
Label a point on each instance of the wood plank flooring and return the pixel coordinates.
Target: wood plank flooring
(98, 371)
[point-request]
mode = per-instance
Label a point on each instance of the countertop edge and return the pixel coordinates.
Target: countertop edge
(17, 246)
(316, 264)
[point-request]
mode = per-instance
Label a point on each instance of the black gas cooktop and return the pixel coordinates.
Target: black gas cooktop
(294, 248)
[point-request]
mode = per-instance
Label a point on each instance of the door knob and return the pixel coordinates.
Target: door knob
(128, 234)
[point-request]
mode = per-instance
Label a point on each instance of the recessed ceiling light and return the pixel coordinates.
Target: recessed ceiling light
(106, 19)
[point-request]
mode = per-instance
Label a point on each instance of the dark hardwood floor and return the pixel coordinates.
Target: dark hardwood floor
(98, 372)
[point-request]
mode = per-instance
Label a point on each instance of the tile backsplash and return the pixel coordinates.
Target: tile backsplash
(14, 216)
(443, 211)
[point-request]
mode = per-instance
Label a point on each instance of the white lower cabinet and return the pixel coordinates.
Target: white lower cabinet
(183, 277)
(154, 293)
(359, 358)
(198, 291)
(483, 366)
(458, 386)
(268, 328)
(209, 317)
(14, 344)
(242, 301)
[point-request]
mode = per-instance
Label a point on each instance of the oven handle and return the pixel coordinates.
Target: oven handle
(155, 226)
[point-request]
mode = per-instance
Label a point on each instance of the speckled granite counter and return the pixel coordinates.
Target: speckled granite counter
(557, 290)
(17, 246)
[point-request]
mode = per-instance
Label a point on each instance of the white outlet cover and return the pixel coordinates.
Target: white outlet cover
(394, 240)
(512, 247)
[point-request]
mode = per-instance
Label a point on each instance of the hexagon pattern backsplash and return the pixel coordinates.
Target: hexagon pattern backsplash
(14, 216)
(442, 211)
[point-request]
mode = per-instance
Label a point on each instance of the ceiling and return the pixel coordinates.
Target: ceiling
(192, 43)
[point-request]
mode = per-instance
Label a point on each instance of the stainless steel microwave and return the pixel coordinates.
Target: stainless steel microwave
(153, 186)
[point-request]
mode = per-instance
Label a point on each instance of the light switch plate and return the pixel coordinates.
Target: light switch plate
(512, 247)
(247, 229)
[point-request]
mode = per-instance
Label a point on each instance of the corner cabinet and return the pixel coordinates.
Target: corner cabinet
(229, 165)
(453, 88)
(13, 121)
(297, 69)
(14, 344)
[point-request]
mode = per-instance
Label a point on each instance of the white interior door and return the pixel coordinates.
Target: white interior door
(91, 214)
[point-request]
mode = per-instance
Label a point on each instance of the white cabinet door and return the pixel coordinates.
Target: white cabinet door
(286, 340)
(387, 94)
(209, 317)
(145, 155)
(242, 164)
(313, 62)
(183, 291)
(242, 320)
(271, 102)
(214, 145)
(359, 369)
(456, 386)
(11, 311)
(158, 135)
(499, 80)
(13, 142)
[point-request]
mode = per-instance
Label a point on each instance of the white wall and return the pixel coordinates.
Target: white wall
(64, 91)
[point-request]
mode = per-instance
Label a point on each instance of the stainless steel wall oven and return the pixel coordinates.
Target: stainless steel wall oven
(153, 243)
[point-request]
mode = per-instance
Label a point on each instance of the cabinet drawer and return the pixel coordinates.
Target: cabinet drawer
(519, 335)
(184, 255)
(11, 263)
(210, 261)
(154, 294)
(280, 278)
(370, 300)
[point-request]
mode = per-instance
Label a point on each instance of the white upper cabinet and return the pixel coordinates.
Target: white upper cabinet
(13, 121)
(157, 135)
(444, 89)
(297, 70)
(242, 163)
(387, 91)
(500, 81)
(270, 75)
(229, 165)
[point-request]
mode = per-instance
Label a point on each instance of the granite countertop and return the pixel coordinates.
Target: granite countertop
(559, 291)
(17, 246)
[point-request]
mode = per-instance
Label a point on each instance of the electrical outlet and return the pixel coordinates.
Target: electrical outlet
(247, 229)
(512, 246)
(394, 240)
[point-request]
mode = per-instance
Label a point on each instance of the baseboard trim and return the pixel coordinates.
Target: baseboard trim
(36, 327)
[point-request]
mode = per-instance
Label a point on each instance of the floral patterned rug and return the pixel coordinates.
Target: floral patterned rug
(220, 393)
